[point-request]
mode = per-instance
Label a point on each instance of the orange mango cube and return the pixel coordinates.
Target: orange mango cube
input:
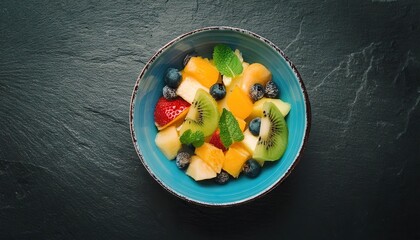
(254, 73)
(211, 155)
(239, 103)
(242, 123)
(202, 70)
(235, 158)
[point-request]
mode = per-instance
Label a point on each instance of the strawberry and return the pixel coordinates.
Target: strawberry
(167, 111)
(215, 140)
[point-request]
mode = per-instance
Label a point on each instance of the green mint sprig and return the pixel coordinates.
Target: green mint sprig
(229, 129)
(194, 138)
(226, 61)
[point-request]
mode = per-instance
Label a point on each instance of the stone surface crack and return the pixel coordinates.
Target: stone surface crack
(326, 77)
(76, 136)
(408, 59)
(363, 83)
(362, 86)
(345, 64)
(297, 38)
(407, 120)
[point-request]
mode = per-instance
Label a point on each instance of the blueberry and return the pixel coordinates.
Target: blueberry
(271, 90)
(254, 126)
(252, 168)
(218, 91)
(257, 91)
(187, 148)
(183, 160)
(169, 93)
(222, 177)
(188, 57)
(173, 77)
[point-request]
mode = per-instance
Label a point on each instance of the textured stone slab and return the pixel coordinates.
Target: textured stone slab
(68, 169)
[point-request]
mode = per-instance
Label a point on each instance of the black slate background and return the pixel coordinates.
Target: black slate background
(68, 169)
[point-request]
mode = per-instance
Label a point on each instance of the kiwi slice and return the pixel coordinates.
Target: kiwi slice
(272, 140)
(202, 115)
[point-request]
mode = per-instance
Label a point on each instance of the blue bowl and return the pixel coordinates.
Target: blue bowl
(148, 89)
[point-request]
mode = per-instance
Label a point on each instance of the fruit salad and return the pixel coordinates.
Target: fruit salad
(221, 118)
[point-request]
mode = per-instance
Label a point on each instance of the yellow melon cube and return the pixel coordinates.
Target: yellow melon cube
(168, 142)
(212, 155)
(239, 103)
(199, 170)
(202, 70)
(257, 109)
(250, 142)
(235, 158)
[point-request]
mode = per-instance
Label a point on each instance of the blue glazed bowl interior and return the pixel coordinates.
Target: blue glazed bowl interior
(149, 88)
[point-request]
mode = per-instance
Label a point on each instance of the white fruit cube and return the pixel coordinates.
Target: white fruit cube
(200, 170)
(188, 88)
(168, 142)
(250, 141)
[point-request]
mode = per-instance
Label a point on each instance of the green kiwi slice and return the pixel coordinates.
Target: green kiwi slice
(272, 140)
(202, 115)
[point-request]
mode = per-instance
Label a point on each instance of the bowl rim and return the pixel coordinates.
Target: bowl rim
(302, 87)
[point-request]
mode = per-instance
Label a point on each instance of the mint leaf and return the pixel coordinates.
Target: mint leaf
(229, 129)
(185, 137)
(194, 138)
(197, 138)
(226, 61)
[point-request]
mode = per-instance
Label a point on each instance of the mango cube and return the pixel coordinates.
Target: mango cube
(235, 158)
(212, 155)
(202, 70)
(239, 103)
(242, 123)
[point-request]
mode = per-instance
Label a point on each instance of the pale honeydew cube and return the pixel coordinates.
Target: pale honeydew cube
(200, 170)
(188, 88)
(250, 141)
(284, 107)
(168, 142)
(257, 109)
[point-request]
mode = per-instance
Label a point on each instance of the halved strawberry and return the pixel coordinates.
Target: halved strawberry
(215, 140)
(169, 111)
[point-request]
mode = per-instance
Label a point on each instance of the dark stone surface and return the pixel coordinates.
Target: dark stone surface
(68, 169)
